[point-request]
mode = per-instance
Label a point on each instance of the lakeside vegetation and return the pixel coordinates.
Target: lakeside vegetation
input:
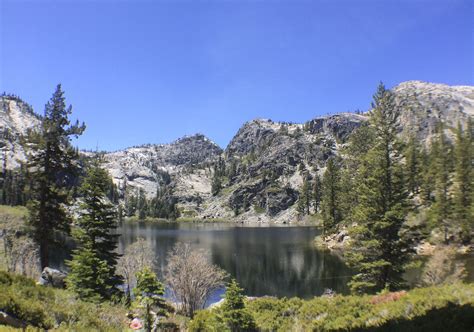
(448, 307)
(374, 200)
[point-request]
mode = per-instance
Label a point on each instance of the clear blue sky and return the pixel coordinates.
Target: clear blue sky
(152, 71)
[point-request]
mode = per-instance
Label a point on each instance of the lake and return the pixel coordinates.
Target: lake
(265, 260)
(275, 260)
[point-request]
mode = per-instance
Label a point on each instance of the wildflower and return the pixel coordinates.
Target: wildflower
(136, 324)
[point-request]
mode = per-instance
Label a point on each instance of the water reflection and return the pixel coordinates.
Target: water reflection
(279, 261)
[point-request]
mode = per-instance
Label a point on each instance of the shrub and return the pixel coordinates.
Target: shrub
(208, 320)
(48, 308)
(447, 307)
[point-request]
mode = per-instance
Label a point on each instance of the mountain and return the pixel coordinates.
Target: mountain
(16, 118)
(265, 161)
(425, 104)
(149, 165)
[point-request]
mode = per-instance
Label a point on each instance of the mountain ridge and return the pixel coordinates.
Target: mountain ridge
(265, 161)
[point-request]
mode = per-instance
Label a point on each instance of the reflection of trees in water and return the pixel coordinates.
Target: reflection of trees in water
(281, 262)
(265, 261)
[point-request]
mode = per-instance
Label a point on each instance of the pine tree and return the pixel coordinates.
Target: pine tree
(304, 201)
(142, 205)
(426, 177)
(88, 276)
(412, 157)
(148, 296)
(52, 164)
(330, 204)
(379, 252)
(317, 192)
(235, 315)
(360, 142)
(216, 185)
(95, 237)
(464, 178)
(440, 158)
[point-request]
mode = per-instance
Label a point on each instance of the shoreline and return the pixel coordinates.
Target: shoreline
(219, 221)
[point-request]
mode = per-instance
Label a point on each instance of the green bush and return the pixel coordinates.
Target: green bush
(208, 320)
(48, 308)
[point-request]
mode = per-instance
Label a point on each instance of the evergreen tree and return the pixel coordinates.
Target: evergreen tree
(440, 157)
(412, 157)
(95, 237)
(304, 201)
(142, 205)
(88, 276)
(360, 142)
(464, 178)
(234, 312)
(216, 185)
(330, 204)
(379, 252)
(426, 177)
(317, 193)
(52, 164)
(148, 296)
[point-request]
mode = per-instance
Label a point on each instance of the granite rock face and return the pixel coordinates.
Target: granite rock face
(16, 118)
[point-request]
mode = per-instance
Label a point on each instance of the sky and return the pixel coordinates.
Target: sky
(141, 71)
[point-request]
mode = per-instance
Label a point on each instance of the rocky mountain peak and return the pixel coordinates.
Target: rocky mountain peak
(425, 104)
(16, 118)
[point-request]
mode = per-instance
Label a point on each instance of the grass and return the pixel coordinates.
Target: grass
(14, 211)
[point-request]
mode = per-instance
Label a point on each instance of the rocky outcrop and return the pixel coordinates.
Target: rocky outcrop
(280, 199)
(150, 166)
(423, 105)
(52, 277)
(16, 118)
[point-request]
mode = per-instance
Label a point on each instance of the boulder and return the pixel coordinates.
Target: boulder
(52, 277)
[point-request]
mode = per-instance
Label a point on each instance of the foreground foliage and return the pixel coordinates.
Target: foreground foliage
(148, 296)
(48, 308)
(445, 308)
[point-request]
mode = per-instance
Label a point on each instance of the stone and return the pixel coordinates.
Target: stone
(52, 277)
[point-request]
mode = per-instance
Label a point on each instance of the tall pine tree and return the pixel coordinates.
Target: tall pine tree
(378, 249)
(304, 200)
(440, 164)
(330, 204)
(412, 161)
(52, 166)
(463, 181)
(317, 192)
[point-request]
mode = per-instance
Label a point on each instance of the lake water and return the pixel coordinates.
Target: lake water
(266, 260)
